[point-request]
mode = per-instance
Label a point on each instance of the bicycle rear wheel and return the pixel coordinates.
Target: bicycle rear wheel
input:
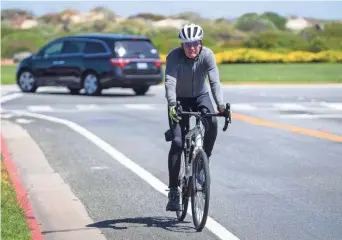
(200, 184)
(183, 185)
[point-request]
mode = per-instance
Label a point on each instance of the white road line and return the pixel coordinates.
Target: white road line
(98, 168)
(309, 116)
(288, 106)
(139, 106)
(243, 106)
(23, 120)
(10, 97)
(85, 107)
(40, 108)
(298, 116)
(5, 88)
(336, 106)
(212, 225)
(7, 115)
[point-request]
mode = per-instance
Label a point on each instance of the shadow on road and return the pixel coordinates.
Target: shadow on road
(101, 95)
(64, 230)
(170, 224)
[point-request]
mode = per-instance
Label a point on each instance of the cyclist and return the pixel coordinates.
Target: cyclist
(186, 70)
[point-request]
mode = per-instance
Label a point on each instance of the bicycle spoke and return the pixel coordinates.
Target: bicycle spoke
(199, 190)
(199, 211)
(193, 135)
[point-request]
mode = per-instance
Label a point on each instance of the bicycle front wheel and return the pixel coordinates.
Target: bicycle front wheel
(200, 189)
(183, 185)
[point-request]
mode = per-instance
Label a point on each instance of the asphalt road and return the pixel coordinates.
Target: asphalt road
(267, 183)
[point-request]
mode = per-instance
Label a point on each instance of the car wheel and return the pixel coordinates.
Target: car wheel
(27, 81)
(141, 90)
(91, 84)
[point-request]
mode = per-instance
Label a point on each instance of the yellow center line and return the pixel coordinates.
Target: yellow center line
(295, 129)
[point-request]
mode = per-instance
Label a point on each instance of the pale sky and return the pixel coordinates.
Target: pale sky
(209, 9)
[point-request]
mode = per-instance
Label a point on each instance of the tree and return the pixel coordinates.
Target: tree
(276, 19)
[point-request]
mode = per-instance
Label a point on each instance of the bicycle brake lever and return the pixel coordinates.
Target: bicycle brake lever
(225, 124)
(228, 119)
(178, 108)
(229, 113)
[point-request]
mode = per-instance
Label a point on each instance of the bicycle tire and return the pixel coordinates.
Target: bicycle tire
(184, 191)
(200, 155)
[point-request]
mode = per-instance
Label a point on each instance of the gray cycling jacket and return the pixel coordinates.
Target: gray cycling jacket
(185, 77)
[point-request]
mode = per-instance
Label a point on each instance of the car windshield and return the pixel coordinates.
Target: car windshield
(135, 49)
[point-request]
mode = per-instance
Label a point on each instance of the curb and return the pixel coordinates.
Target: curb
(20, 192)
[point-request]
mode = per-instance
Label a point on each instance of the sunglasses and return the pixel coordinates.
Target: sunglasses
(189, 44)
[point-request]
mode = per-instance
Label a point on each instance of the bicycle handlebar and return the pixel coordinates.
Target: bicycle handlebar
(226, 114)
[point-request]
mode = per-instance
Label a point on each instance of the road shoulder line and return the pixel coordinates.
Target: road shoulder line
(213, 226)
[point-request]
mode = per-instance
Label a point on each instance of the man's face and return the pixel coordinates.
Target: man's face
(192, 49)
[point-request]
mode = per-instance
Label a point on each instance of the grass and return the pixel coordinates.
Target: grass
(13, 222)
(282, 73)
(8, 74)
(255, 73)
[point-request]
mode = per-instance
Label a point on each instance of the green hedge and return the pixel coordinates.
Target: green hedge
(21, 41)
(268, 40)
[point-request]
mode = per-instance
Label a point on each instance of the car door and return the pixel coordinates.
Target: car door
(69, 65)
(45, 62)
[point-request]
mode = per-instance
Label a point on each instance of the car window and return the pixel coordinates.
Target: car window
(72, 47)
(54, 49)
(135, 49)
(94, 47)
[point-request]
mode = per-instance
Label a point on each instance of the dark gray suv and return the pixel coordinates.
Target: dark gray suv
(93, 62)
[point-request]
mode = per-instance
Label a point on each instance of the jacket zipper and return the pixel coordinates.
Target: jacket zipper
(193, 82)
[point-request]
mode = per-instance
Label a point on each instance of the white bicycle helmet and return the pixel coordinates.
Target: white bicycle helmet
(190, 33)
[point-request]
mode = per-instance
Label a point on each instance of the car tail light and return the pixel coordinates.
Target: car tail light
(119, 62)
(158, 63)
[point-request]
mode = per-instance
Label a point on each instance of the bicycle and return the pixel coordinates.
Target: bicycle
(192, 154)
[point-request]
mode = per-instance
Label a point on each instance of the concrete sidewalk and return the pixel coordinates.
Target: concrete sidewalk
(59, 212)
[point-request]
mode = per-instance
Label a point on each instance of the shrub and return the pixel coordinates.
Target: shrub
(251, 22)
(244, 55)
(149, 16)
(276, 19)
(328, 38)
(5, 30)
(130, 26)
(268, 40)
(164, 44)
(21, 41)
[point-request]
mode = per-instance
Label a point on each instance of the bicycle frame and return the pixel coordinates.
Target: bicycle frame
(193, 150)
(192, 141)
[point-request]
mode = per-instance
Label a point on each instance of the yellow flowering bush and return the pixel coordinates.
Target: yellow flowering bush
(247, 55)
(162, 57)
(258, 56)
